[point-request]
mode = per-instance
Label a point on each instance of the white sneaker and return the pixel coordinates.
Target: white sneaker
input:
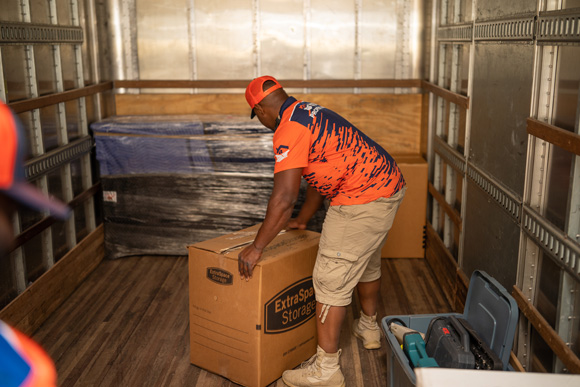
(323, 369)
(367, 329)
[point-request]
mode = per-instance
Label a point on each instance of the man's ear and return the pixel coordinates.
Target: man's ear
(258, 108)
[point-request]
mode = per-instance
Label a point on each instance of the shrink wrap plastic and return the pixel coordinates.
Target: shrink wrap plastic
(170, 181)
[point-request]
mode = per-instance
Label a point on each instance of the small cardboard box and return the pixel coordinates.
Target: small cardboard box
(252, 331)
(405, 238)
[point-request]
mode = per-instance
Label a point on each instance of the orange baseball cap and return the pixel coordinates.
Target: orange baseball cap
(255, 91)
(13, 182)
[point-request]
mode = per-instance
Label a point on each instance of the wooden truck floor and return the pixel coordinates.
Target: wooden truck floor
(127, 325)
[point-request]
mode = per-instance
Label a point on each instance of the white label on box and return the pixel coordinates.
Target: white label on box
(110, 196)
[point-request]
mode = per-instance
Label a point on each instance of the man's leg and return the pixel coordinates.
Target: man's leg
(323, 369)
(329, 331)
(368, 295)
(366, 328)
(369, 285)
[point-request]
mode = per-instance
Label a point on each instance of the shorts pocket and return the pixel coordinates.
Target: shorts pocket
(334, 269)
(340, 255)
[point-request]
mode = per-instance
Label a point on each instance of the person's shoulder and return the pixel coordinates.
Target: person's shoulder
(290, 131)
(288, 127)
(304, 113)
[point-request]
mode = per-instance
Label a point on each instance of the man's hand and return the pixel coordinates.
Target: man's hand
(295, 224)
(247, 260)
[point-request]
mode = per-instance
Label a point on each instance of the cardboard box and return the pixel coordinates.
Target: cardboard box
(252, 331)
(405, 239)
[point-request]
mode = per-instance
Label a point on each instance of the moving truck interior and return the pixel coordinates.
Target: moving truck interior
(135, 116)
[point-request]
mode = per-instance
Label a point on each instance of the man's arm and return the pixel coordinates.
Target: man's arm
(280, 206)
(311, 204)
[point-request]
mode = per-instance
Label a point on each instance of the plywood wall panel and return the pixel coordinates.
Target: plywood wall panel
(392, 120)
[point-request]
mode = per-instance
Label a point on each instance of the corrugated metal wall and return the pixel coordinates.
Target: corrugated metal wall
(297, 39)
(49, 48)
(511, 198)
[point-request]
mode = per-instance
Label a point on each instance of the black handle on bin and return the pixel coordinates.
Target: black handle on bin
(463, 335)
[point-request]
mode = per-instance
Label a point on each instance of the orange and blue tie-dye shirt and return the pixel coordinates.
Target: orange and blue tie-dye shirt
(337, 159)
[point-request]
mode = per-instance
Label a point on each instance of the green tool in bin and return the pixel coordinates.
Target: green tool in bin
(489, 309)
(414, 348)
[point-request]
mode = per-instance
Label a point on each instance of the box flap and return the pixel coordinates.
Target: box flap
(230, 245)
(224, 243)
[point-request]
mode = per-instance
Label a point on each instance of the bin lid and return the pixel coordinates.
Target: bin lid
(492, 312)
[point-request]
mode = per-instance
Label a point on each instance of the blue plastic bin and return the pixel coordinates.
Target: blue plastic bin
(490, 310)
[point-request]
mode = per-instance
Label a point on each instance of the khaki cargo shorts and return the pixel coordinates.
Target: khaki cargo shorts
(350, 247)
